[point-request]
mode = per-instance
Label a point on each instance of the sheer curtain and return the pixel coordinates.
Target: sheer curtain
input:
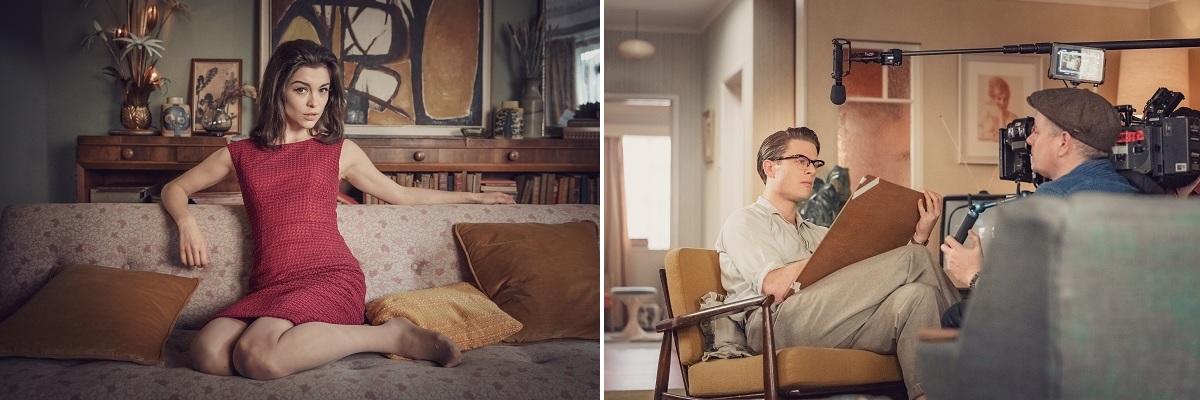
(616, 237)
(560, 76)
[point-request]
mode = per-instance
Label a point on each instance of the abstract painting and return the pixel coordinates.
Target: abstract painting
(406, 64)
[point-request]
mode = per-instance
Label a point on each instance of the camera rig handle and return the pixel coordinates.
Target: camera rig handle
(977, 208)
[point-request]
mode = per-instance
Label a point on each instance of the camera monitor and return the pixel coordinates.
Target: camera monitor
(1076, 63)
(954, 212)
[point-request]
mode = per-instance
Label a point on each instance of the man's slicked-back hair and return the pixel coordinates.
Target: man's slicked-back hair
(774, 146)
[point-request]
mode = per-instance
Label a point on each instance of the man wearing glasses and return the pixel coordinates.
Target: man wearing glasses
(877, 304)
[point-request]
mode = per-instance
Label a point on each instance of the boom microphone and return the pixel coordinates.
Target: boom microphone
(837, 94)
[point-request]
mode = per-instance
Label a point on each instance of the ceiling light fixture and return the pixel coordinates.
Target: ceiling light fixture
(635, 49)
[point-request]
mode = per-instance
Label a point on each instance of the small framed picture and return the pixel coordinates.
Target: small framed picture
(215, 92)
(993, 90)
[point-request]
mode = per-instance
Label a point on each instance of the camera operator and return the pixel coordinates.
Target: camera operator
(1072, 134)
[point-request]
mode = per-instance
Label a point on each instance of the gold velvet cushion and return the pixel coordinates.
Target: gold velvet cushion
(94, 312)
(460, 311)
(545, 275)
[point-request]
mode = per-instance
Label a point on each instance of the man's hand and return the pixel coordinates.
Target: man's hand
(931, 209)
(962, 262)
(1188, 189)
(779, 282)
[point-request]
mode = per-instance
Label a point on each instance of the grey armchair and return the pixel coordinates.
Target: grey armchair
(1092, 297)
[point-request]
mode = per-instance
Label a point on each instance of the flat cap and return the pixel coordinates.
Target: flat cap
(1088, 117)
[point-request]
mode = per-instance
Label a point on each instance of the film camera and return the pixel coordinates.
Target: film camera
(1014, 152)
(1162, 146)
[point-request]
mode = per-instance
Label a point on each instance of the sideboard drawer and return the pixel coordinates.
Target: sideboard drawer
(153, 149)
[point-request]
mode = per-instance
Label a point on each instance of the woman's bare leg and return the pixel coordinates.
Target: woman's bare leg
(272, 348)
(212, 348)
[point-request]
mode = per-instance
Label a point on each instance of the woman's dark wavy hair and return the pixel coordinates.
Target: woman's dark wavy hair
(287, 59)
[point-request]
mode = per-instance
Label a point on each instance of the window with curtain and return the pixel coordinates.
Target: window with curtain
(647, 168)
(874, 128)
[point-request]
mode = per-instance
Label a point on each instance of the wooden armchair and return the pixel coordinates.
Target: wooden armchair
(793, 372)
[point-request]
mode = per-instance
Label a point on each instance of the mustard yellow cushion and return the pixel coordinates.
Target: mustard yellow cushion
(545, 275)
(94, 312)
(459, 311)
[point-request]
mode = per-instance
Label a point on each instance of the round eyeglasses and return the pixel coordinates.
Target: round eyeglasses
(802, 160)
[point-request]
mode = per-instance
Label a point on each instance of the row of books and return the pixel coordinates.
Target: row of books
(557, 189)
(546, 188)
(134, 192)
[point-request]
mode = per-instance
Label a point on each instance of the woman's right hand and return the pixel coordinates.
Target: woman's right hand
(193, 248)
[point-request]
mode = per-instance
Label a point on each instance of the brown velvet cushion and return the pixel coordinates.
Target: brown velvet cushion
(547, 276)
(460, 311)
(94, 312)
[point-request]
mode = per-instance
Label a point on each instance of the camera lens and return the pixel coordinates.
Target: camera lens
(1018, 130)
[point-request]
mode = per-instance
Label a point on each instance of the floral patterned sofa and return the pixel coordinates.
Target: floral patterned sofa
(401, 248)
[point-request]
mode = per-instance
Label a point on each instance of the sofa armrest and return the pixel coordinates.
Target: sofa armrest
(708, 313)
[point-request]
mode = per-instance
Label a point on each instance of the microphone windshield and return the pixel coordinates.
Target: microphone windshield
(837, 94)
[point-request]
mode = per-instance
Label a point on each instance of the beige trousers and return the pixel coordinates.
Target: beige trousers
(877, 305)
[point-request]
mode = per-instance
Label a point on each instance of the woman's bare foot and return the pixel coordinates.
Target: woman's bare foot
(423, 344)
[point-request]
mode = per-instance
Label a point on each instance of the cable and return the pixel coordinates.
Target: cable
(946, 128)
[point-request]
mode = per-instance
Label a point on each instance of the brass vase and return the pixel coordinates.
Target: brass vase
(135, 110)
(135, 116)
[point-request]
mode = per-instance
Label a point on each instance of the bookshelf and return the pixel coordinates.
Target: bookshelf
(106, 160)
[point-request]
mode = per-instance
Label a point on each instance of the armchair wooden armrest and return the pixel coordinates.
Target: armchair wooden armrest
(770, 374)
(938, 335)
(718, 311)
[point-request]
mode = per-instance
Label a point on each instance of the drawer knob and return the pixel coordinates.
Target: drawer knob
(419, 156)
(513, 155)
(126, 153)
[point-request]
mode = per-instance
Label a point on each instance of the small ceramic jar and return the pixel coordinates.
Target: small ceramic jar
(176, 118)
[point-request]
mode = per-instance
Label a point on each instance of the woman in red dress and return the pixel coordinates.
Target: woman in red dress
(307, 291)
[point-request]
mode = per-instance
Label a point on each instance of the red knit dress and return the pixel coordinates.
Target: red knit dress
(303, 270)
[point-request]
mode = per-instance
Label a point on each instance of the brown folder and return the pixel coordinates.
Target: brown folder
(880, 216)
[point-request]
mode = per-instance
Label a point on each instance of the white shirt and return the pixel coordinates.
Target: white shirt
(756, 240)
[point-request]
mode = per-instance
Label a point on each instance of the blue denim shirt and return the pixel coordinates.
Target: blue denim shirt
(1096, 175)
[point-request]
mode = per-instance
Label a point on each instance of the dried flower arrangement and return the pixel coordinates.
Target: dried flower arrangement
(133, 41)
(529, 40)
(208, 106)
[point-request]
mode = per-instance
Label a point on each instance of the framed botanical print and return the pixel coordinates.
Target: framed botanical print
(215, 93)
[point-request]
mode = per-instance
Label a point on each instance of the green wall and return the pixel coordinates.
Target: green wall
(56, 90)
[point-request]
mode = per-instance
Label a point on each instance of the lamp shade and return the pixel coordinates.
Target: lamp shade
(1144, 71)
(635, 49)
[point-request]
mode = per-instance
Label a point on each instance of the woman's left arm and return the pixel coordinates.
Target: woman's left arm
(357, 169)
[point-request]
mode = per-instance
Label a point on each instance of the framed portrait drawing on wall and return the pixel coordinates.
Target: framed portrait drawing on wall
(215, 93)
(418, 67)
(992, 91)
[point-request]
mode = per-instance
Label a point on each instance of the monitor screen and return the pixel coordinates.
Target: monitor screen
(954, 212)
(1076, 63)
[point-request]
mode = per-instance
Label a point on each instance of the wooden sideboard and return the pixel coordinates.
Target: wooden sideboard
(105, 160)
